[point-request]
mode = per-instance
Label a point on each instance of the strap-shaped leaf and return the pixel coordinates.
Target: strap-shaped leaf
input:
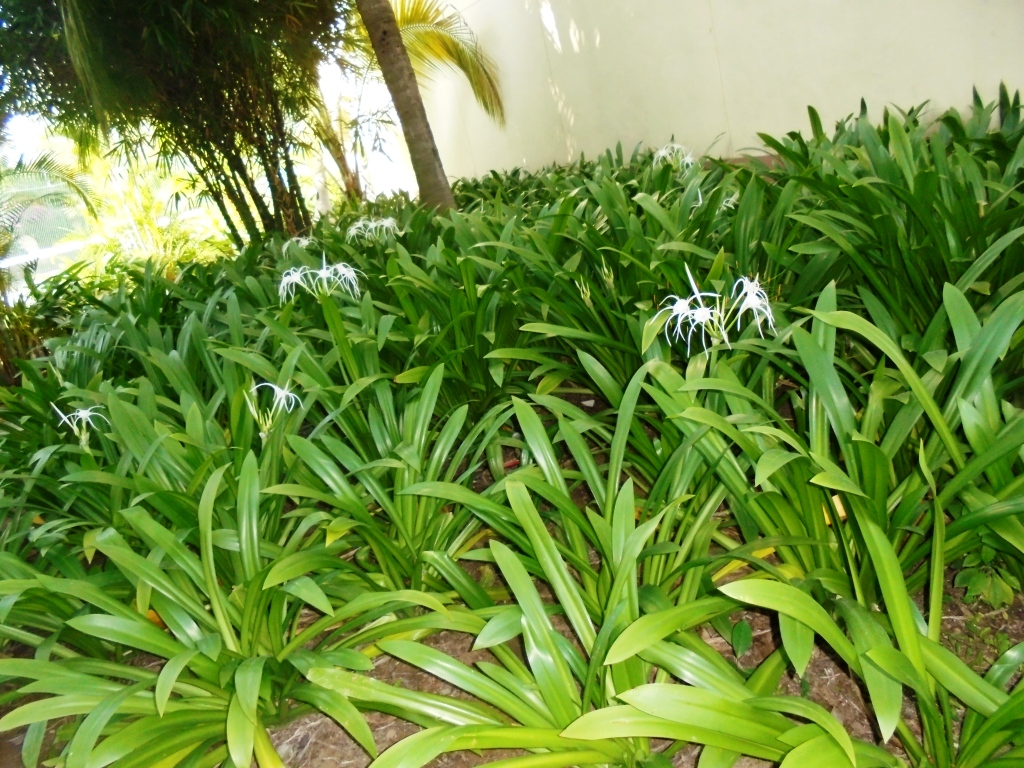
(787, 599)
(627, 722)
(564, 586)
(851, 322)
(886, 694)
(469, 680)
(443, 709)
(310, 593)
(339, 709)
(140, 634)
(218, 601)
(168, 677)
(820, 752)
(815, 713)
(81, 746)
(417, 750)
(798, 640)
(894, 590)
(248, 515)
(549, 666)
(653, 627)
(501, 628)
(241, 732)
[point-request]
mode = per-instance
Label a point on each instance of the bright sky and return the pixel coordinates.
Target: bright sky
(382, 172)
(26, 138)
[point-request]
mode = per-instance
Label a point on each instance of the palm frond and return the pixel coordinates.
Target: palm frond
(69, 185)
(438, 38)
(6, 240)
(42, 180)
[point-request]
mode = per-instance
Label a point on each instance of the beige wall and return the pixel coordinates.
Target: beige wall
(580, 75)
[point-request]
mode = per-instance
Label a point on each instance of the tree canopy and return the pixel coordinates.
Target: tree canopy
(36, 74)
(223, 84)
(218, 82)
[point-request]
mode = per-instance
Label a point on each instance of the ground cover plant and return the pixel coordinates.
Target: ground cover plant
(594, 415)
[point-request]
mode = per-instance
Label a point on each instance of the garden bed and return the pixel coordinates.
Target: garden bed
(607, 423)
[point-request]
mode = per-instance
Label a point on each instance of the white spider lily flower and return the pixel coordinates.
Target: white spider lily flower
(348, 279)
(372, 229)
(358, 229)
(386, 226)
(710, 322)
(319, 282)
(668, 153)
(730, 202)
(697, 294)
(679, 311)
(674, 154)
(329, 277)
(694, 313)
(80, 421)
(289, 280)
(753, 299)
(284, 400)
(712, 313)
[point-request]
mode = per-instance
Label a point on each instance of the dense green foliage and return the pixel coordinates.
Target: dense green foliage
(488, 426)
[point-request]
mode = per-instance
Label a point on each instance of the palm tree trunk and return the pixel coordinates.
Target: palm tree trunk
(379, 20)
(218, 198)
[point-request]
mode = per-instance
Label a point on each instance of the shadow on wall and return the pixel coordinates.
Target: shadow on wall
(578, 40)
(581, 75)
